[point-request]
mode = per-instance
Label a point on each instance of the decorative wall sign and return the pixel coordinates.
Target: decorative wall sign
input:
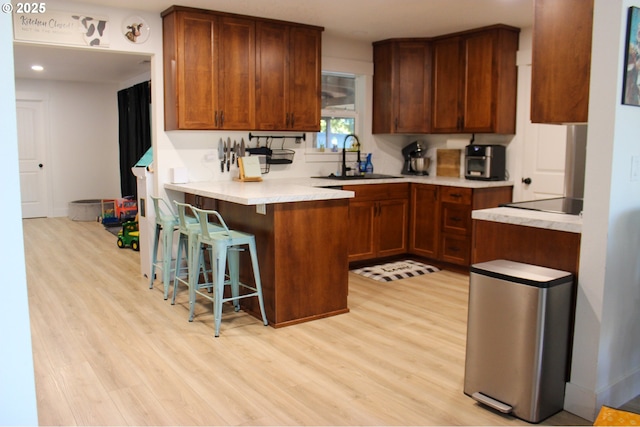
(631, 89)
(63, 28)
(135, 29)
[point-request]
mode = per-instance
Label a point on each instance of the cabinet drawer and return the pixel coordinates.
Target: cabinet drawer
(379, 191)
(456, 195)
(456, 218)
(456, 249)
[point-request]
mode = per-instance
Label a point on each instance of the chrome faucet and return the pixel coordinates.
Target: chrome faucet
(344, 154)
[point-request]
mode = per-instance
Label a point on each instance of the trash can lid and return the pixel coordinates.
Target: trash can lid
(527, 274)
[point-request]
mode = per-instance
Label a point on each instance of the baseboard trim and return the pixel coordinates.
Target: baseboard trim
(586, 403)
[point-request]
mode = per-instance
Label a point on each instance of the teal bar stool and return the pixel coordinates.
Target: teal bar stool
(166, 225)
(188, 231)
(224, 246)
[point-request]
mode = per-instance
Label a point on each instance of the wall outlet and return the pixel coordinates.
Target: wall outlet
(635, 168)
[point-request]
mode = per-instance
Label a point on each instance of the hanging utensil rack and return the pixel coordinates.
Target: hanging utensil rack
(274, 156)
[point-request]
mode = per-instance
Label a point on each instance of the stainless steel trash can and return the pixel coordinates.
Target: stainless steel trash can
(518, 338)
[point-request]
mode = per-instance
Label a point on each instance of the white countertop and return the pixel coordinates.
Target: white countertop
(529, 218)
(284, 190)
(258, 193)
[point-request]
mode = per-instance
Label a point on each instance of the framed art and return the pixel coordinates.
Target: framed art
(631, 87)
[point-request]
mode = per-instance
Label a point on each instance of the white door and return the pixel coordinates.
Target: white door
(543, 153)
(544, 161)
(31, 150)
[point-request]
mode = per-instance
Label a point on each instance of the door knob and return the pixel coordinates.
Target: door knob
(40, 165)
(526, 181)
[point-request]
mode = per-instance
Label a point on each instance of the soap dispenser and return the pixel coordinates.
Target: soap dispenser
(368, 168)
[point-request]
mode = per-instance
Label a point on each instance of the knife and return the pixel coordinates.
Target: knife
(227, 149)
(221, 154)
(233, 152)
(241, 154)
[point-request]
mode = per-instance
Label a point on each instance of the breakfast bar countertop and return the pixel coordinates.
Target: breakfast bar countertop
(531, 218)
(258, 193)
(284, 190)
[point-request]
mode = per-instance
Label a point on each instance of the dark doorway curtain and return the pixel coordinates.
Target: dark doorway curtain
(134, 132)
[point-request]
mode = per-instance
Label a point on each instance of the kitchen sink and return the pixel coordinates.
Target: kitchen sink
(352, 178)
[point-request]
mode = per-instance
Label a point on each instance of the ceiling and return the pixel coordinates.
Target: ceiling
(361, 20)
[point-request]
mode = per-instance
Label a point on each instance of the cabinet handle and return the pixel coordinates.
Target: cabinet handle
(455, 219)
(395, 124)
(215, 118)
(221, 117)
(287, 120)
(456, 195)
(293, 120)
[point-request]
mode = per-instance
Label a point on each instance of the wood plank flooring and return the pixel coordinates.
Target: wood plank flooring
(110, 351)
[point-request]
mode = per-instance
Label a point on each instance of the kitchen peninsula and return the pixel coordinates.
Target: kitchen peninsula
(301, 236)
(302, 228)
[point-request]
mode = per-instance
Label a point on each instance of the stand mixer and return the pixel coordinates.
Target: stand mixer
(415, 160)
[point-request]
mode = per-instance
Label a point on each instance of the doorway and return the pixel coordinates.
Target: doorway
(74, 124)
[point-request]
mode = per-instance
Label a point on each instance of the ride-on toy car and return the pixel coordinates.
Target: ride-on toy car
(129, 236)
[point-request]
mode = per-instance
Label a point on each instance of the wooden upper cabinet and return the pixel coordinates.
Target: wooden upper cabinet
(401, 86)
(288, 77)
(475, 81)
(190, 78)
(232, 72)
(209, 71)
(561, 61)
(236, 67)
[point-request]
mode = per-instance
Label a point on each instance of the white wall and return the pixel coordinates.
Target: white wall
(82, 154)
(17, 384)
(606, 362)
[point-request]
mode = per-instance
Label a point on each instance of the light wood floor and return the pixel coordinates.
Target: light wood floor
(109, 351)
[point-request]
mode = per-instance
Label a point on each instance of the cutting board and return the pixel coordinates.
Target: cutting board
(448, 162)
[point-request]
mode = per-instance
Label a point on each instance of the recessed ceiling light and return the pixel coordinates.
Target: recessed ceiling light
(37, 67)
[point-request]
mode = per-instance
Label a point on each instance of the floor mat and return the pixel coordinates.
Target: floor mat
(395, 270)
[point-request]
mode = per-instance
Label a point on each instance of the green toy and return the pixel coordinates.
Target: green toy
(129, 236)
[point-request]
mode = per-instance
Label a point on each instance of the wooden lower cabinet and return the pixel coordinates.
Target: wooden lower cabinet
(530, 245)
(424, 220)
(302, 253)
(440, 220)
(378, 221)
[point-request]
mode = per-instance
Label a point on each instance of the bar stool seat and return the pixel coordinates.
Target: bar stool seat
(188, 231)
(225, 245)
(166, 225)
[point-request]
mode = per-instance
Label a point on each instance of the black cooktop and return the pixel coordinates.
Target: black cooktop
(565, 205)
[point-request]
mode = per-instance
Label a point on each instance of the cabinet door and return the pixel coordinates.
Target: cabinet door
(383, 102)
(561, 61)
(447, 85)
(236, 64)
(478, 94)
(423, 238)
(303, 112)
(361, 230)
(392, 226)
(412, 100)
(197, 78)
(272, 43)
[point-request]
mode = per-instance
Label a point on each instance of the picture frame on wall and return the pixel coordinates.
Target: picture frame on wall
(631, 87)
